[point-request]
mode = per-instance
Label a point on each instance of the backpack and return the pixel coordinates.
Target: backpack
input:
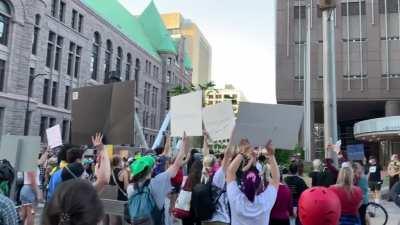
(142, 208)
(204, 200)
(6, 171)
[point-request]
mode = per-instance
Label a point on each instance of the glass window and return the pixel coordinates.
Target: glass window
(30, 87)
(54, 92)
(118, 65)
(54, 7)
(46, 88)
(50, 49)
(36, 31)
(61, 14)
(137, 71)
(74, 18)
(107, 60)
(128, 66)
(58, 56)
(42, 129)
(77, 61)
(2, 74)
(67, 97)
(80, 23)
(64, 132)
(5, 14)
(94, 61)
(71, 58)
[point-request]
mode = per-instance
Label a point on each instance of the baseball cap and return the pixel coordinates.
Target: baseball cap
(141, 164)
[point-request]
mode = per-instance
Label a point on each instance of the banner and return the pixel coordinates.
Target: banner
(355, 152)
(261, 122)
(219, 121)
(186, 113)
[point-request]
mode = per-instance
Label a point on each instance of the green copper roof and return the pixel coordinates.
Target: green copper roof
(123, 20)
(155, 29)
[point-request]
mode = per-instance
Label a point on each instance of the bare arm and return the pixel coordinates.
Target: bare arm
(174, 168)
(227, 159)
(275, 175)
(167, 146)
(249, 164)
(103, 168)
(186, 160)
(206, 149)
(233, 167)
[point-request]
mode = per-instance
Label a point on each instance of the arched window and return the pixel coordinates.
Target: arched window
(137, 71)
(94, 61)
(36, 31)
(5, 15)
(118, 65)
(107, 60)
(128, 66)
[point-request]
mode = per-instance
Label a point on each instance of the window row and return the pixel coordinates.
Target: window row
(50, 94)
(149, 120)
(150, 99)
(58, 9)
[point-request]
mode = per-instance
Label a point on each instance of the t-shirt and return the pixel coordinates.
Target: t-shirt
(8, 214)
(221, 213)
(374, 173)
(159, 187)
(315, 178)
(350, 201)
(55, 180)
(363, 184)
(283, 206)
(297, 186)
(244, 212)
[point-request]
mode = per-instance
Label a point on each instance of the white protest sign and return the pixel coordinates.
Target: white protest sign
(186, 114)
(54, 138)
(219, 120)
(261, 122)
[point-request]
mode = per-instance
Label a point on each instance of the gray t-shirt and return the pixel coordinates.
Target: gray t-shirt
(159, 187)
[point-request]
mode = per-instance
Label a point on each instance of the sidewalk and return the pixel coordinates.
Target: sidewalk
(393, 212)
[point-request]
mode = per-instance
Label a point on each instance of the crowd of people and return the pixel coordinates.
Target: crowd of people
(243, 185)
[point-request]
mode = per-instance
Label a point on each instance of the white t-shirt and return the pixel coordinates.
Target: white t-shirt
(221, 213)
(245, 212)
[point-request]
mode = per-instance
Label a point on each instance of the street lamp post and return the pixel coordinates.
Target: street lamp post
(30, 82)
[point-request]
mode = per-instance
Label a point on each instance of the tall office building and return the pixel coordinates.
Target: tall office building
(367, 44)
(75, 43)
(197, 45)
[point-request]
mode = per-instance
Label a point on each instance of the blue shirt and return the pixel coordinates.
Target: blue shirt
(55, 180)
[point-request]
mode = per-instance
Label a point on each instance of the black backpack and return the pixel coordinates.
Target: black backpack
(204, 200)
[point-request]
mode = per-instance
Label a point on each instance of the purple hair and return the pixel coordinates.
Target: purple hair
(250, 183)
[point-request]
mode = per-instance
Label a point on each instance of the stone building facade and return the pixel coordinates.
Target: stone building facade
(67, 44)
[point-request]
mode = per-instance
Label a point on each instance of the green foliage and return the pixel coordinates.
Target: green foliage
(283, 156)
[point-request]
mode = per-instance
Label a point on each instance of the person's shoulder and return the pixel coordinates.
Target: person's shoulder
(6, 202)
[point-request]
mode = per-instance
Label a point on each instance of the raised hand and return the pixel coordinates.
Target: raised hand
(97, 140)
(269, 149)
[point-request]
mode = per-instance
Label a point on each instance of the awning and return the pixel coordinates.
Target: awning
(387, 128)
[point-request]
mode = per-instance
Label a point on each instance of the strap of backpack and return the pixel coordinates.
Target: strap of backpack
(116, 183)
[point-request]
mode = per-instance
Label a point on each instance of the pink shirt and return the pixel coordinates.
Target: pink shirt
(283, 204)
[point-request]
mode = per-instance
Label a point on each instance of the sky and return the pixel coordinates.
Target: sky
(242, 36)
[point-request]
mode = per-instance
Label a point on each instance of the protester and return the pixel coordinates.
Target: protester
(296, 184)
(221, 216)
(152, 191)
(361, 181)
(315, 175)
(350, 196)
(246, 206)
(210, 163)
(8, 214)
(283, 208)
(75, 202)
(70, 155)
(30, 195)
(375, 179)
(192, 180)
(394, 170)
(319, 206)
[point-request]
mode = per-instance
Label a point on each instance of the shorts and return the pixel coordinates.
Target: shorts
(375, 185)
(27, 195)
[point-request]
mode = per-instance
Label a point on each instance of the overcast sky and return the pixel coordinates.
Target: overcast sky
(242, 36)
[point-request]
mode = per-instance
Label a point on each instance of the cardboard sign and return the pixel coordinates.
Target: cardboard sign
(21, 151)
(262, 122)
(186, 113)
(219, 121)
(355, 152)
(106, 108)
(54, 138)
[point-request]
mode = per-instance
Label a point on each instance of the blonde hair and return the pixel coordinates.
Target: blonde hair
(345, 178)
(317, 164)
(208, 163)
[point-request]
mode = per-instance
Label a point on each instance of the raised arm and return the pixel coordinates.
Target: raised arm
(274, 169)
(245, 149)
(173, 169)
(206, 149)
(250, 163)
(167, 146)
(103, 168)
(228, 154)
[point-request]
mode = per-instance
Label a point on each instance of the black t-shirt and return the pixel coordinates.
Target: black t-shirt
(374, 173)
(315, 178)
(297, 186)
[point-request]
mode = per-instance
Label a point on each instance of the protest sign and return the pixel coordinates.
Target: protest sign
(21, 151)
(219, 120)
(355, 152)
(104, 108)
(261, 122)
(186, 114)
(54, 138)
